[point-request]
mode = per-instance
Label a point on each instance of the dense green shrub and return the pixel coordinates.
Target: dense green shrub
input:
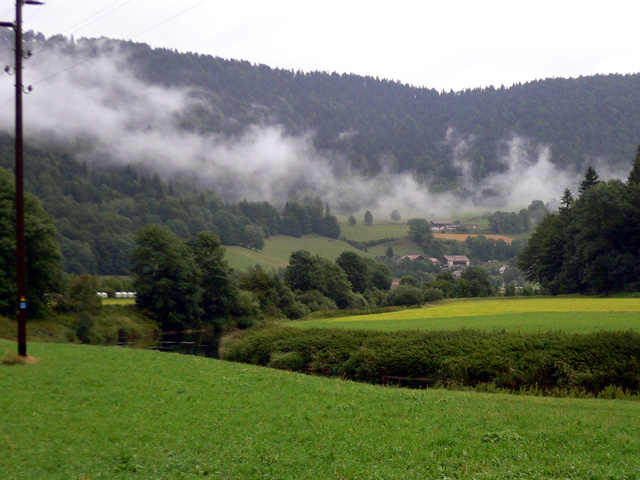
(405, 295)
(541, 361)
(432, 294)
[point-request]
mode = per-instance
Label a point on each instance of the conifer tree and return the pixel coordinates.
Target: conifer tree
(591, 178)
(634, 175)
(566, 202)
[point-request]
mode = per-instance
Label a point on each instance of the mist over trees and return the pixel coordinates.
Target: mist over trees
(97, 211)
(375, 125)
(592, 245)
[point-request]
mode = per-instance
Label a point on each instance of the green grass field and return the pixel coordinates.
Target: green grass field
(577, 314)
(377, 231)
(278, 248)
(403, 246)
(119, 301)
(107, 413)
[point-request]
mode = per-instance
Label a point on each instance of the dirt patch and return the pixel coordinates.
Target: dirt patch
(15, 359)
(461, 237)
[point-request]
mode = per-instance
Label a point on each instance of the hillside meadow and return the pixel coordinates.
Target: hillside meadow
(278, 248)
(95, 412)
(573, 314)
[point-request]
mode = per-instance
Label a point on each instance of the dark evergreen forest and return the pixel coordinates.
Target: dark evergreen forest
(379, 123)
(382, 125)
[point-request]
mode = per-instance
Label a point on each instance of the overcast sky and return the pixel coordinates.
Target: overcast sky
(442, 45)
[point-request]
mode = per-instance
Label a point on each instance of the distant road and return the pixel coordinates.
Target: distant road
(461, 237)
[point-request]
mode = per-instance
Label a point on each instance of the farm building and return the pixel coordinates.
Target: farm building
(455, 261)
(435, 261)
(412, 257)
(443, 226)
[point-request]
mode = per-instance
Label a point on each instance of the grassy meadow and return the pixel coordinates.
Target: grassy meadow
(278, 248)
(98, 413)
(575, 314)
(377, 231)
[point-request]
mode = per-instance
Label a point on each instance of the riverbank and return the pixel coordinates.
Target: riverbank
(112, 324)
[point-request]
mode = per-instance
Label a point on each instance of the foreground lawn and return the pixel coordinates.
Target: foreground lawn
(576, 314)
(96, 412)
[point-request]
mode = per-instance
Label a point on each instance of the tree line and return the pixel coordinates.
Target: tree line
(97, 212)
(593, 243)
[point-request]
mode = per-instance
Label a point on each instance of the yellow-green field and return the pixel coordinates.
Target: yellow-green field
(119, 301)
(579, 314)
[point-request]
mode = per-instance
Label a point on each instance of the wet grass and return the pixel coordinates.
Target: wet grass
(95, 412)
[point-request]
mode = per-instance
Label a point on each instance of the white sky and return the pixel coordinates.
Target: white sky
(453, 44)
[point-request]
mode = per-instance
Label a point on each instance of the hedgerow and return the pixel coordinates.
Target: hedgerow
(540, 361)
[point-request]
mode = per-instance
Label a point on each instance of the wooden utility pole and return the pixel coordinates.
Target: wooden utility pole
(21, 260)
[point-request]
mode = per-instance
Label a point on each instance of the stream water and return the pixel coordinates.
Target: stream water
(204, 344)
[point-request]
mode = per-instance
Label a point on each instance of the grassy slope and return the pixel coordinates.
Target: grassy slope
(377, 231)
(95, 412)
(579, 314)
(278, 248)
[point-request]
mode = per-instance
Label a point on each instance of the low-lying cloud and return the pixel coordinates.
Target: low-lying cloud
(110, 117)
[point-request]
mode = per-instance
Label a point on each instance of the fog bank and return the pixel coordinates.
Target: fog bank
(110, 117)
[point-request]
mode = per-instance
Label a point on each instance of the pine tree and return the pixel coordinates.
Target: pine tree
(590, 179)
(634, 176)
(566, 203)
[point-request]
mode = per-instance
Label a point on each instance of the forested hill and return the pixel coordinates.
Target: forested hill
(381, 125)
(97, 212)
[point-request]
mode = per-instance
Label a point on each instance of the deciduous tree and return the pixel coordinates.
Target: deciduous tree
(44, 260)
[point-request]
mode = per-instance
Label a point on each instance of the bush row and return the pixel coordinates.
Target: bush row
(369, 243)
(543, 361)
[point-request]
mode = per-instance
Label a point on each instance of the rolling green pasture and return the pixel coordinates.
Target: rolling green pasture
(577, 314)
(377, 231)
(96, 412)
(403, 246)
(278, 248)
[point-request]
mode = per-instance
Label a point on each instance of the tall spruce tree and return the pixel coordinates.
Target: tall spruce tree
(591, 178)
(634, 175)
(566, 202)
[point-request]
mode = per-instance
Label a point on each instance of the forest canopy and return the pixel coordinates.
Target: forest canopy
(593, 243)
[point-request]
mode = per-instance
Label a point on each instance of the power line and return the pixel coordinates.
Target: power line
(101, 16)
(33, 14)
(8, 12)
(85, 60)
(89, 17)
(170, 18)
